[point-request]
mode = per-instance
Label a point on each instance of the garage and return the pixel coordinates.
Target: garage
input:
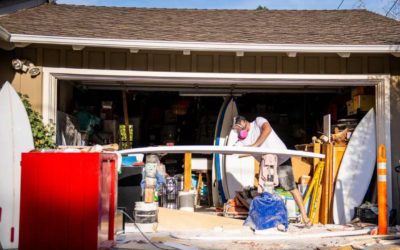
(166, 110)
(148, 78)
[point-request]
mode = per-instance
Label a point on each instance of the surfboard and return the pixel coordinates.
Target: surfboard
(217, 201)
(356, 170)
(239, 170)
(15, 138)
(211, 149)
(223, 129)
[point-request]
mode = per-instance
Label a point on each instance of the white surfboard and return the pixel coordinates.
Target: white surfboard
(210, 149)
(356, 170)
(214, 184)
(230, 113)
(239, 170)
(15, 138)
(224, 126)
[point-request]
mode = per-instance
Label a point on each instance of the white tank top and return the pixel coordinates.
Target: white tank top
(273, 141)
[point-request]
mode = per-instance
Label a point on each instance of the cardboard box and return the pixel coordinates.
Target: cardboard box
(350, 108)
(300, 167)
(363, 102)
(361, 90)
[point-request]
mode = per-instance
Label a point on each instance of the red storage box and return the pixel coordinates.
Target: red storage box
(68, 200)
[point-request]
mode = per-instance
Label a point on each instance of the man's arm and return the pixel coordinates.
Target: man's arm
(265, 131)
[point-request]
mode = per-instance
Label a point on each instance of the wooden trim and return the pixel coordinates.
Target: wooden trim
(187, 177)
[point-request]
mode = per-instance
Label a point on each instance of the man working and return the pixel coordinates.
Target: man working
(259, 133)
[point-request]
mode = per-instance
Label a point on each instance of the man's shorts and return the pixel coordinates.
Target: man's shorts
(286, 178)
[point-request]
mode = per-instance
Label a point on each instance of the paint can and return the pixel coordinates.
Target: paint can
(146, 216)
(187, 201)
(170, 193)
(179, 182)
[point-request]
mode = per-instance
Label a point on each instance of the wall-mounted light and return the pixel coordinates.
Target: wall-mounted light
(25, 66)
(17, 64)
(34, 71)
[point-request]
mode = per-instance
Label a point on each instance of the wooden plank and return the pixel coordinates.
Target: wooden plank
(256, 172)
(337, 155)
(326, 184)
(126, 119)
(187, 182)
(199, 186)
(317, 150)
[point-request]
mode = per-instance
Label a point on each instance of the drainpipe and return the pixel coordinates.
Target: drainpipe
(5, 40)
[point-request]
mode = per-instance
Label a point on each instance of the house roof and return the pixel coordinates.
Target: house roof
(339, 27)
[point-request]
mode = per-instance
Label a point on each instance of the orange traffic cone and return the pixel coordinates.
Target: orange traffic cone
(382, 191)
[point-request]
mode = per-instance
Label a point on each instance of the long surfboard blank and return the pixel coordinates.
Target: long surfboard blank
(15, 138)
(356, 170)
(218, 149)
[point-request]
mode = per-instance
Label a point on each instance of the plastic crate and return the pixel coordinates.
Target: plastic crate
(365, 215)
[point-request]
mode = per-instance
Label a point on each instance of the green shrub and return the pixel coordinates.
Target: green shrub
(43, 135)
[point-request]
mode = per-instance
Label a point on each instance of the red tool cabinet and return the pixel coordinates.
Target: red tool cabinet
(68, 200)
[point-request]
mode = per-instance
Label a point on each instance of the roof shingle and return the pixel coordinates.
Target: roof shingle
(350, 27)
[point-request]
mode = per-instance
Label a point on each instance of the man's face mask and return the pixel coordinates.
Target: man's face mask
(242, 133)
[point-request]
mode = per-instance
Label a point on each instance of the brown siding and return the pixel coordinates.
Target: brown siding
(248, 64)
(73, 59)
(332, 65)
(51, 57)
(226, 63)
(183, 63)
(289, 65)
(120, 59)
(139, 61)
(376, 64)
(354, 65)
(96, 60)
(311, 65)
(205, 63)
(269, 64)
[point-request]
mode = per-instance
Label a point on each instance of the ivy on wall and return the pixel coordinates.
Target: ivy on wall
(43, 135)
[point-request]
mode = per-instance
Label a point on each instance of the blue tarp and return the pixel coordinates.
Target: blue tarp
(267, 211)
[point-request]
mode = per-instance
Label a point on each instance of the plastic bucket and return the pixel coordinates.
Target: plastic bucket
(187, 201)
(146, 213)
